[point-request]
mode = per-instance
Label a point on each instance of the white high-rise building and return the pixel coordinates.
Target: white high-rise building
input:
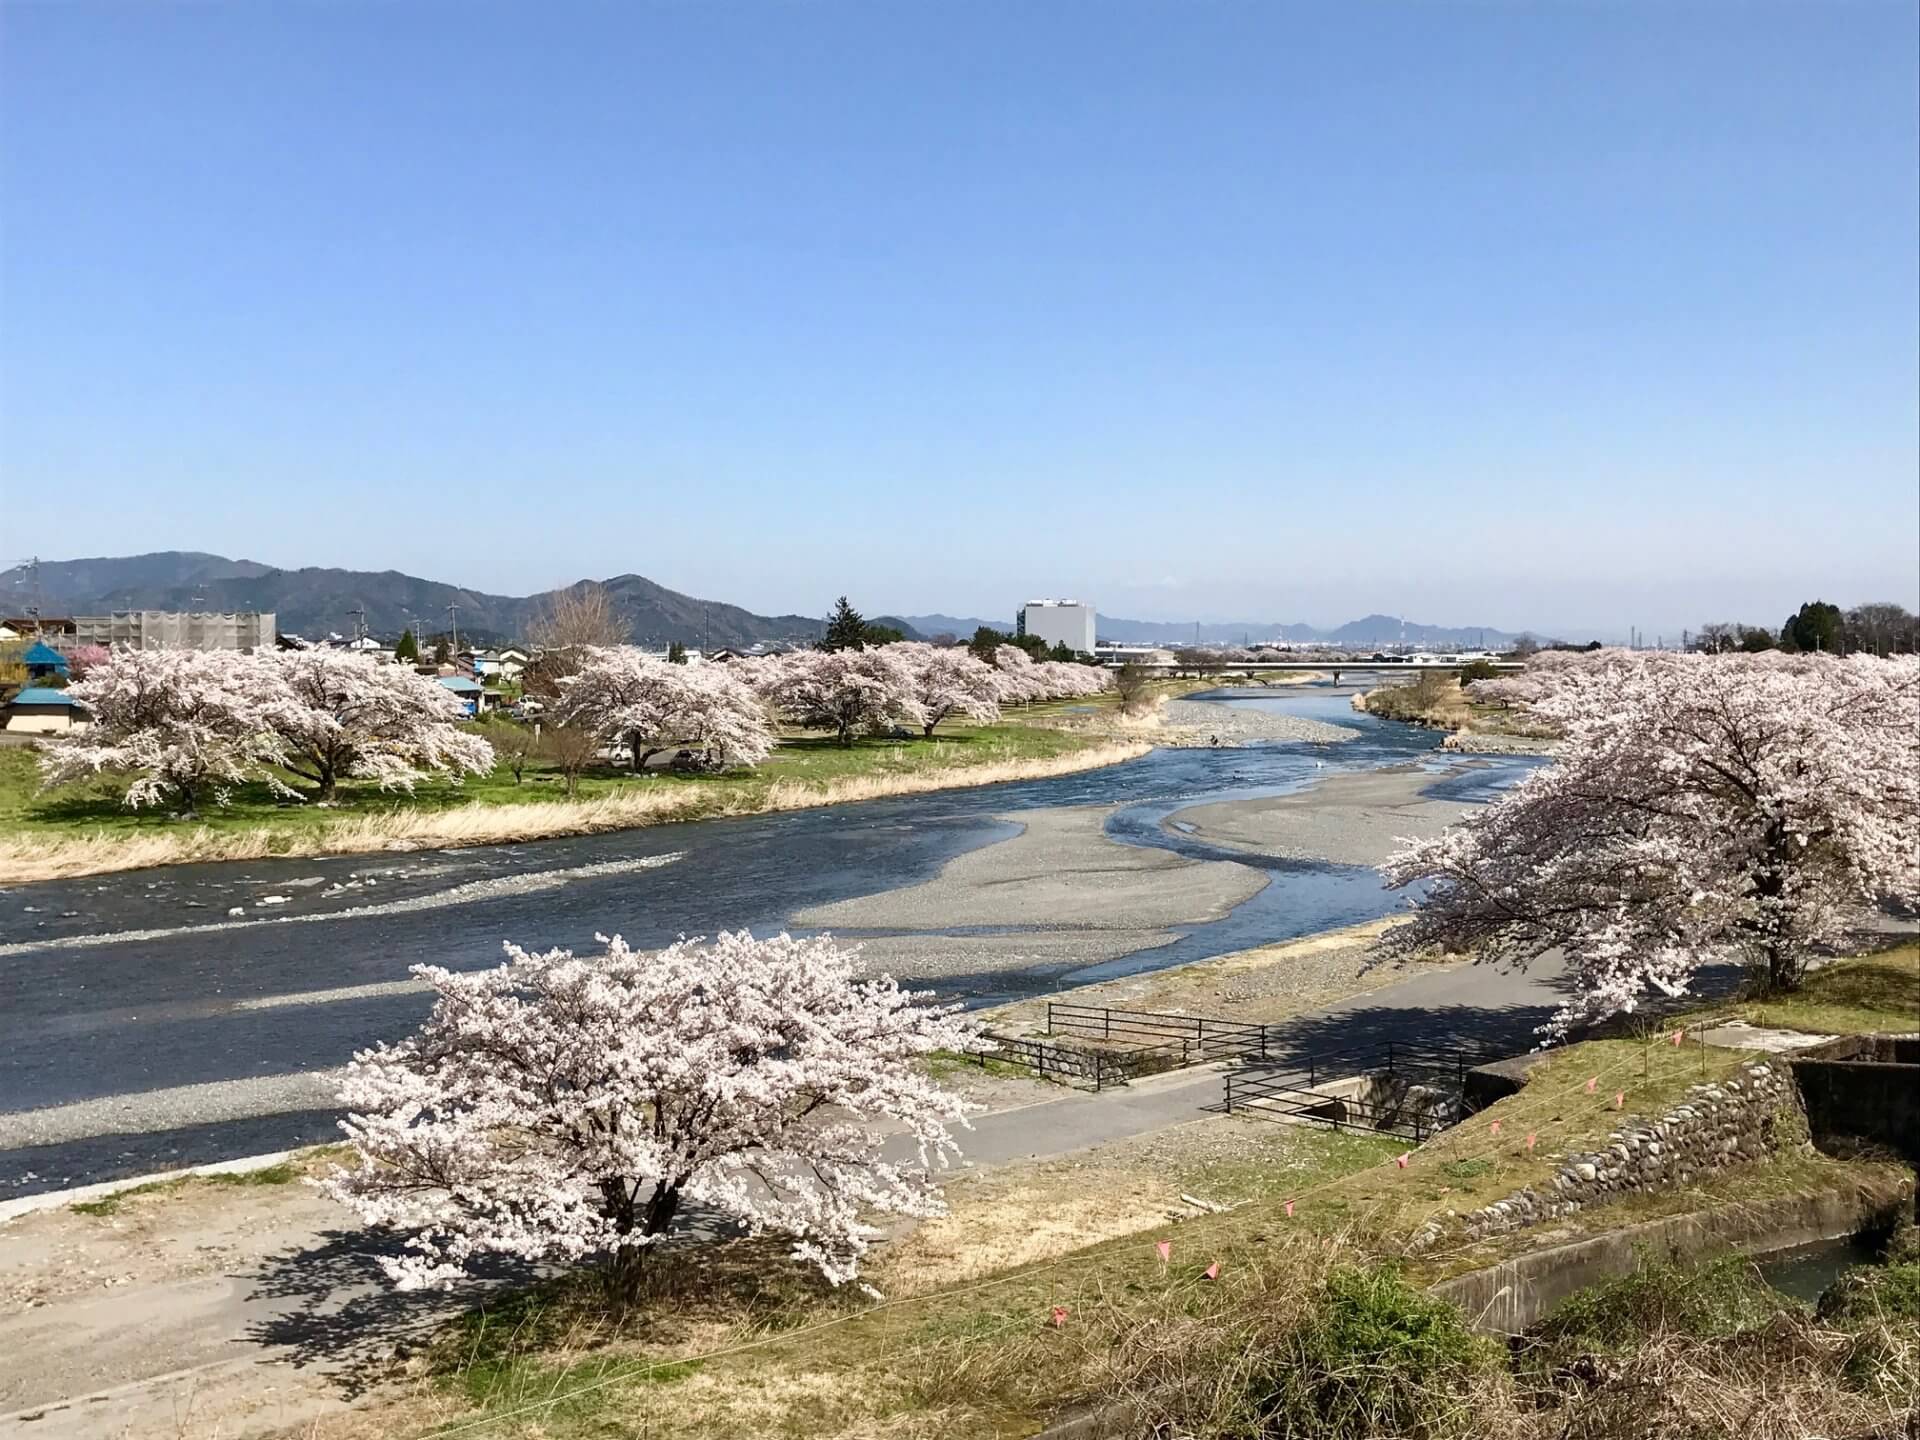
(1059, 622)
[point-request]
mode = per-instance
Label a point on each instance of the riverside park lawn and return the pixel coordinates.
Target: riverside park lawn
(85, 828)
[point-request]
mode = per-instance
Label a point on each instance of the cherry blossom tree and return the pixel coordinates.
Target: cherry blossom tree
(627, 697)
(1016, 677)
(345, 716)
(87, 657)
(849, 692)
(188, 725)
(1701, 810)
(948, 680)
(1066, 680)
(1020, 679)
(561, 1107)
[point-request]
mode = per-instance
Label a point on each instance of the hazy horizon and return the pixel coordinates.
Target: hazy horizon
(1552, 318)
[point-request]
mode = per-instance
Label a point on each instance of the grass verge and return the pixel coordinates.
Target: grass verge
(82, 829)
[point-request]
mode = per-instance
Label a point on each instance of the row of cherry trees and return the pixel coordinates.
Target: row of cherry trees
(190, 725)
(1742, 809)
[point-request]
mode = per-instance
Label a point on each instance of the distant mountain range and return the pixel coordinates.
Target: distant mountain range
(317, 602)
(1370, 632)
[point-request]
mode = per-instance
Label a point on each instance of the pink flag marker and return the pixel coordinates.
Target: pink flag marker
(1289, 1209)
(1212, 1272)
(1401, 1160)
(1496, 1127)
(1620, 1100)
(1165, 1247)
(1059, 1316)
(1530, 1140)
(1591, 1083)
(1678, 1036)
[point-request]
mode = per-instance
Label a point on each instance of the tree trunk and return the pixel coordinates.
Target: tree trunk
(624, 1279)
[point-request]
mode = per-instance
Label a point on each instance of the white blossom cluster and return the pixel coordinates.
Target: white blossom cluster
(1023, 678)
(646, 705)
(1700, 810)
(872, 690)
(561, 1107)
(192, 724)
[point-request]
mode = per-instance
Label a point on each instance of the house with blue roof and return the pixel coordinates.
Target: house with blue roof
(39, 710)
(44, 663)
(471, 693)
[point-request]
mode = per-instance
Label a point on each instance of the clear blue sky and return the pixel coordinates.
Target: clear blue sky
(1547, 314)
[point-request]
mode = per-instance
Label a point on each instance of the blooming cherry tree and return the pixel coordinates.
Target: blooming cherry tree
(630, 698)
(1701, 810)
(948, 680)
(849, 692)
(344, 716)
(188, 725)
(561, 1107)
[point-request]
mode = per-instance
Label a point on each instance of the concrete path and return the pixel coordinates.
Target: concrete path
(272, 1343)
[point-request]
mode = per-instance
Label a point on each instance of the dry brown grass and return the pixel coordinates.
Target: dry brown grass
(23, 860)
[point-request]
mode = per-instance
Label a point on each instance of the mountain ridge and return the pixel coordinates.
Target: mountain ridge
(318, 600)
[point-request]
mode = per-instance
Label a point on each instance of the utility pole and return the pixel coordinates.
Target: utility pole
(453, 625)
(706, 615)
(359, 612)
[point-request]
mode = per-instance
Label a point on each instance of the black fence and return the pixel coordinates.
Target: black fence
(1203, 1038)
(1296, 1089)
(1081, 1065)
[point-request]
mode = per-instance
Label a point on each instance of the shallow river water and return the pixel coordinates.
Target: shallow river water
(117, 986)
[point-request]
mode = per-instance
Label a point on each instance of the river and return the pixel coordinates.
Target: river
(116, 987)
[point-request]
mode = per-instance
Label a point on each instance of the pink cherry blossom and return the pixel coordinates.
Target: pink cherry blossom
(1701, 810)
(561, 1107)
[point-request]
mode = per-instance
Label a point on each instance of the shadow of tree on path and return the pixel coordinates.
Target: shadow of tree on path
(330, 1306)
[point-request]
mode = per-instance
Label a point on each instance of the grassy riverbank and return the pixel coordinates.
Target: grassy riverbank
(83, 828)
(1440, 703)
(1044, 1290)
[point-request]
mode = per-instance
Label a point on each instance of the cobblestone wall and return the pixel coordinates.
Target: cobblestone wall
(1746, 1117)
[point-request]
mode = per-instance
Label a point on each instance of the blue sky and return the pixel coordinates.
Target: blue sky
(1575, 315)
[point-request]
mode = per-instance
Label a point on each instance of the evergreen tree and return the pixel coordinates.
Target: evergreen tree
(846, 629)
(408, 650)
(676, 653)
(441, 650)
(985, 641)
(1816, 625)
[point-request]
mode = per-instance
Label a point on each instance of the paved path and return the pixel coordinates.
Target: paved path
(295, 1332)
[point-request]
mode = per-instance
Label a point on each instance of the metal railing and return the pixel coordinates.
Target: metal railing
(1073, 1064)
(1275, 1097)
(1214, 1039)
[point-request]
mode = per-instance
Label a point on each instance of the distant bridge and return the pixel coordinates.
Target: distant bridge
(1313, 667)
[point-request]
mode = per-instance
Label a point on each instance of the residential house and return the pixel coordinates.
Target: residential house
(38, 710)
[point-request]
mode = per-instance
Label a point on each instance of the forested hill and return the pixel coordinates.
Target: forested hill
(316, 601)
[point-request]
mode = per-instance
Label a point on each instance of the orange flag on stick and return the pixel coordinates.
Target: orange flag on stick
(1165, 1247)
(1496, 1127)
(1059, 1316)
(1530, 1140)
(1212, 1272)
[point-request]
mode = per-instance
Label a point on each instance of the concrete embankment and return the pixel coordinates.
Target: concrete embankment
(1506, 1298)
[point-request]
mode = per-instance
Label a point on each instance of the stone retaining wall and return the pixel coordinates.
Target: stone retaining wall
(1746, 1117)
